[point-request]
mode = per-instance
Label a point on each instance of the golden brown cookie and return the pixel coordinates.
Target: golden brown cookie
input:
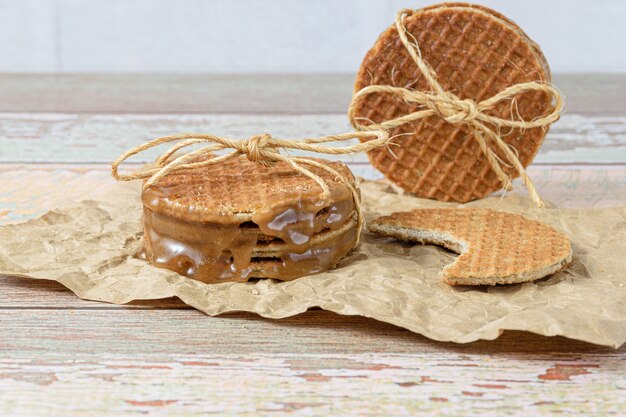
(495, 247)
(476, 53)
(240, 219)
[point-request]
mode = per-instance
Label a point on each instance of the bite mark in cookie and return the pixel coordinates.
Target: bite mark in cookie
(495, 247)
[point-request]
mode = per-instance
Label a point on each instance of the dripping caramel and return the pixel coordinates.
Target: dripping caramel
(228, 233)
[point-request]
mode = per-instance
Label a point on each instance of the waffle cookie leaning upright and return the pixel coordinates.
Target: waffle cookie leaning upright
(240, 219)
(473, 54)
(495, 247)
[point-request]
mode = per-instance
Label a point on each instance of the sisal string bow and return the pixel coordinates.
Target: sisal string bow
(455, 110)
(261, 148)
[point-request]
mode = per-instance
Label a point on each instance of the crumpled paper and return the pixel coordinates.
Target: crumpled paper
(89, 248)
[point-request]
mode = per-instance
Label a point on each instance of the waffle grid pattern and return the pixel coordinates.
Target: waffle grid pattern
(496, 244)
(240, 188)
(475, 56)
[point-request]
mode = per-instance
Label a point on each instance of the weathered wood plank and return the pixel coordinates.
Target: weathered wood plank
(69, 138)
(26, 306)
(45, 317)
(384, 384)
(153, 93)
(19, 293)
(268, 93)
(136, 331)
(32, 189)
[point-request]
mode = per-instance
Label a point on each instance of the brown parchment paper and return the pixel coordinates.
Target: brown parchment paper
(88, 248)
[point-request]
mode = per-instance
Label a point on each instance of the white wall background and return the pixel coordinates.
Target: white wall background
(236, 36)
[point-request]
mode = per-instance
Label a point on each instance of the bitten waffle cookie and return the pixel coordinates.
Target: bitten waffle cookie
(475, 54)
(240, 219)
(495, 247)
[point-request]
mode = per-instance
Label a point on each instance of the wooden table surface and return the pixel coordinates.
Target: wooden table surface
(60, 355)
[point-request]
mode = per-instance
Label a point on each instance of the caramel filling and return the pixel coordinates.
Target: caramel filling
(286, 243)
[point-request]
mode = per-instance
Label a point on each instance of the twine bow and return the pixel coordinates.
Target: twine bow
(261, 148)
(455, 110)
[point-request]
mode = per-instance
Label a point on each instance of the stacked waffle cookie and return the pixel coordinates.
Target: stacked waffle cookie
(239, 219)
(475, 53)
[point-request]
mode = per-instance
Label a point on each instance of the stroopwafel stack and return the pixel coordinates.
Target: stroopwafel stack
(240, 219)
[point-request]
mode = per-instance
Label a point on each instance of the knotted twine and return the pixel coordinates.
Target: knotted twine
(455, 110)
(260, 148)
